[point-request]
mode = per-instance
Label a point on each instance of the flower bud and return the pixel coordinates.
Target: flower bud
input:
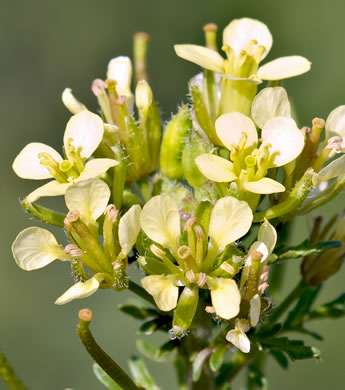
(194, 147)
(143, 95)
(173, 143)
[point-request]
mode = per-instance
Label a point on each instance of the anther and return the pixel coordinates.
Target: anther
(262, 287)
(200, 236)
(256, 255)
(202, 279)
(190, 275)
(160, 253)
(190, 221)
(73, 250)
(228, 268)
(98, 87)
(111, 212)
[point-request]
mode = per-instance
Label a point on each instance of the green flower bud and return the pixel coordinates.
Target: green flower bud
(173, 143)
(185, 310)
(194, 147)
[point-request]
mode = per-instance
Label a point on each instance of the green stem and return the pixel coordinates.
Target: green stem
(8, 375)
(99, 356)
(282, 308)
(44, 214)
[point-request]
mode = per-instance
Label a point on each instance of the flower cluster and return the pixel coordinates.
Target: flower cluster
(177, 202)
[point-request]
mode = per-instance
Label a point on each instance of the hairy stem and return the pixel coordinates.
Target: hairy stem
(8, 375)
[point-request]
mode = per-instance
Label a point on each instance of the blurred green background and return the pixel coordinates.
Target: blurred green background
(49, 45)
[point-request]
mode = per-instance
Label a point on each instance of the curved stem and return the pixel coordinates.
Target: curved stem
(99, 356)
(8, 375)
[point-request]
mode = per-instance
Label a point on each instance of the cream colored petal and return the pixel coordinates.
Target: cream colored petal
(230, 220)
(86, 130)
(163, 290)
(89, 197)
(225, 297)
(269, 103)
(202, 56)
(96, 167)
(160, 220)
(52, 188)
(259, 246)
(71, 103)
(268, 234)
(286, 140)
(284, 68)
(78, 291)
(240, 32)
(263, 186)
(216, 168)
(255, 308)
(27, 164)
(230, 128)
(129, 228)
(35, 248)
(334, 169)
(239, 339)
(335, 124)
(120, 70)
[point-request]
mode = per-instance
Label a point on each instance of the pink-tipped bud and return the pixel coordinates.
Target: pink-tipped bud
(111, 213)
(202, 279)
(98, 87)
(190, 275)
(71, 217)
(73, 250)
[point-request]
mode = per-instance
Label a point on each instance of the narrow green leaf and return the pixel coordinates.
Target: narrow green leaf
(295, 349)
(217, 357)
(269, 332)
(304, 249)
(155, 353)
(333, 309)
(302, 307)
(141, 374)
(137, 312)
(104, 378)
(199, 362)
(280, 358)
(256, 378)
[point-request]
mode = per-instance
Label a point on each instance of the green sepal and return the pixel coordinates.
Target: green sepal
(119, 175)
(141, 374)
(203, 215)
(152, 266)
(333, 309)
(295, 349)
(44, 214)
(155, 353)
(203, 116)
(217, 357)
(173, 142)
(199, 362)
(137, 312)
(104, 378)
(304, 249)
(130, 199)
(195, 145)
(185, 310)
